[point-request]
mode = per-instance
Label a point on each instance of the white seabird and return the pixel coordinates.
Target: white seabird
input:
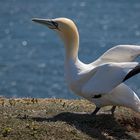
(101, 81)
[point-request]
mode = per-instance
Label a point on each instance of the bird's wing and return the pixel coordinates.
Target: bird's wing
(121, 53)
(106, 78)
(125, 96)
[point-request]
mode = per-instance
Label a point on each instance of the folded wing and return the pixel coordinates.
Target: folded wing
(107, 77)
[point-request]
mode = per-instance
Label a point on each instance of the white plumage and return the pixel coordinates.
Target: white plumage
(101, 81)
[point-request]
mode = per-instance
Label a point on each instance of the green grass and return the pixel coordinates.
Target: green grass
(59, 119)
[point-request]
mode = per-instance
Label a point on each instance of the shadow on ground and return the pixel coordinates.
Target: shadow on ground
(95, 126)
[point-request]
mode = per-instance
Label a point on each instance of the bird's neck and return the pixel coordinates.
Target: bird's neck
(72, 46)
(71, 52)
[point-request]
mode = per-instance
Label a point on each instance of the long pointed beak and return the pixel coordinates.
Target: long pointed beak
(48, 22)
(42, 21)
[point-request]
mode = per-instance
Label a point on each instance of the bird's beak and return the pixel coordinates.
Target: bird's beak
(48, 22)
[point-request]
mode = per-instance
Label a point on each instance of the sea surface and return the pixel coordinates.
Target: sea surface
(32, 56)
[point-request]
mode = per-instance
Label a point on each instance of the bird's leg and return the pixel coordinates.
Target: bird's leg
(95, 111)
(113, 110)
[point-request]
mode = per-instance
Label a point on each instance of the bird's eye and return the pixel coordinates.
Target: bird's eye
(55, 24)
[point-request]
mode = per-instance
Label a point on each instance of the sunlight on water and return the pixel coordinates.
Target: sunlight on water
(32, 57)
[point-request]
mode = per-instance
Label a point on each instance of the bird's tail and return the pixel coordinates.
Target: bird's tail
(122, 95)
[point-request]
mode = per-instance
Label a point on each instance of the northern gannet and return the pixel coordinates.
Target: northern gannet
(102, 81)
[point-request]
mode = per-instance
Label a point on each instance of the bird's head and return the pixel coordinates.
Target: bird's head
(64, 26)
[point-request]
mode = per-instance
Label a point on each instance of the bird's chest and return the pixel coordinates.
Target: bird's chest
(75, 77)
(76, 84)
(73, 83)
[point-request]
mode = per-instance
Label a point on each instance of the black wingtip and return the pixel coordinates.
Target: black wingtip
(97, 96)
(133, 72)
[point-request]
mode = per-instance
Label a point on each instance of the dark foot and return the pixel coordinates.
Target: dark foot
(95, 111)
(113, 110)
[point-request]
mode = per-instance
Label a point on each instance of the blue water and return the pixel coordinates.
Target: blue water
(32, 56)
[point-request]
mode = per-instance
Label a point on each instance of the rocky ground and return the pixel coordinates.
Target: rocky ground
(60, 119)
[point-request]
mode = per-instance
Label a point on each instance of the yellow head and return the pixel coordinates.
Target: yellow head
(64, 26)
(67, 31)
